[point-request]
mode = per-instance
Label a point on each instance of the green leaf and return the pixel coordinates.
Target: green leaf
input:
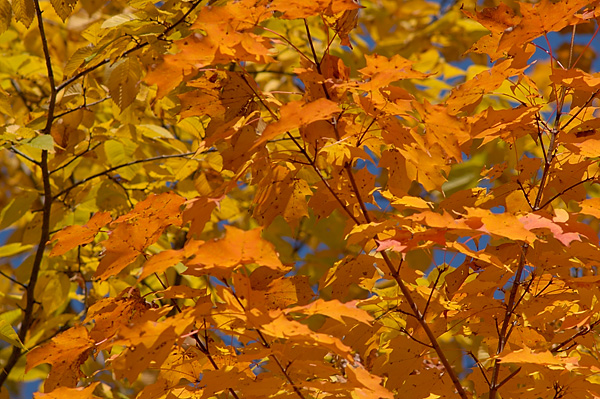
(43, 142)
(8, 334)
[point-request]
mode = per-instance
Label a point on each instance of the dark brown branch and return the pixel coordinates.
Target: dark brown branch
(312, 47)
(584, 331)
(28, 314)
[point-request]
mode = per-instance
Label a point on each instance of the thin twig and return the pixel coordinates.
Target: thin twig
(479, 367)
(525, 194)
(12, 279)
(581, 333)
(589, 100)
(437, 279)
(511, 375)
(76, 157)
(162, 36)
(312, 47)
(19, 153)
(509, 311)
(266, 344)
(82, 107)
(572, 186)
(157, 158)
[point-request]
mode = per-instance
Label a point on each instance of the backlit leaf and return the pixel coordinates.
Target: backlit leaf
(63, 7)
(73, 236)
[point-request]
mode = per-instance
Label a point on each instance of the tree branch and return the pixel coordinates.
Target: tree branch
(265, 343)
(160, 157)
(28, 317)
(393, 271)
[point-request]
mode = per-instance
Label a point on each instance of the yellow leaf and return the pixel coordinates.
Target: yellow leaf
(8, 334)
(15, 248)
(24, 11)
(123, 84)
(63, 8)
(526, 355)
(5, 15)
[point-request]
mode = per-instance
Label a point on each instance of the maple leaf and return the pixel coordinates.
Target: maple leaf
(297, 114)
(293, 219)
(237, 248)
(66, 353)
(137, 230)
(73, 236)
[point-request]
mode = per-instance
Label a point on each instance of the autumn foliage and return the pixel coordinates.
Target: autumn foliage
(293, 198)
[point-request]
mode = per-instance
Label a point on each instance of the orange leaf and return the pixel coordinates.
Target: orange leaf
(540, 18)
(137, 230)
(297, 114)
(237, 248)
(72, 236)
(66, 353)
(591, 207)
(368, 386)
(71, 393)
(334, 309)
(526, 355)
(294, 9)
(281, 327)
(381, 71)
